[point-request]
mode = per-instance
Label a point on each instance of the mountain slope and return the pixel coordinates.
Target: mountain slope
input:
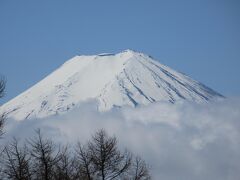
(126, 78)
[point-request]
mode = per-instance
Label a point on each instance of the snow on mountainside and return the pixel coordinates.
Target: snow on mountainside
(126, 78)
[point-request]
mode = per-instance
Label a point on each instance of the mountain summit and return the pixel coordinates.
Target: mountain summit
(114, 80)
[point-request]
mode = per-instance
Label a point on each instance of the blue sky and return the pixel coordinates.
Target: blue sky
(198, 37)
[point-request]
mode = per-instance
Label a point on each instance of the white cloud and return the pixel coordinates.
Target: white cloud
(181, 141)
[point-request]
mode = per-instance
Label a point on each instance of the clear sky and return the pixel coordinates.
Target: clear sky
(198, 37)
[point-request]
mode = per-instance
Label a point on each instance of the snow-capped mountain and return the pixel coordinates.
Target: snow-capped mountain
(114, 80)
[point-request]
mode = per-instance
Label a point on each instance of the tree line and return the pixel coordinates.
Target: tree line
(40, 158)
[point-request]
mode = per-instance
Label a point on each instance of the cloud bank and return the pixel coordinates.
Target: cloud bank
(179, 142)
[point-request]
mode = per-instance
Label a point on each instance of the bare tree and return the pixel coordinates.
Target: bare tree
(84, 162)
(139, 170)
(109, 163)
(2, 91)
(16, 162)
(2, 120)
(2, 86)
(44, 157)
(65, 167)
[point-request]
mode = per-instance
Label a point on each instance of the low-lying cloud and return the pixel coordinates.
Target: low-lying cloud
(179, 142)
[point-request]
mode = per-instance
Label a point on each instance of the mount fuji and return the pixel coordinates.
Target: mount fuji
(128, 78)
